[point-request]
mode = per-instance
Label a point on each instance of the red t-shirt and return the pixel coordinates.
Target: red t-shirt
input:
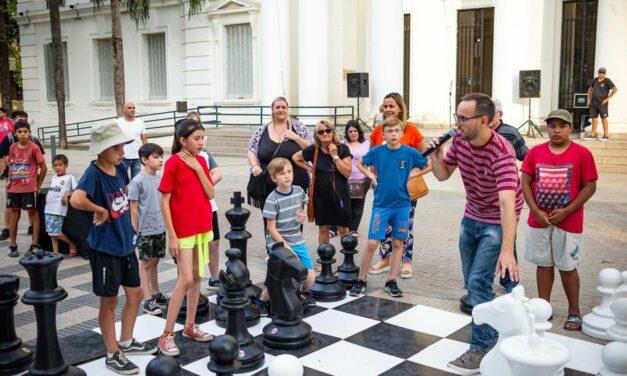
(411, 137)
(189, 206)
(24, 167)
(557, 180)
(6, 127)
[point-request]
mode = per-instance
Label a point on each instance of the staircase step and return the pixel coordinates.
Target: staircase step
(612, 169)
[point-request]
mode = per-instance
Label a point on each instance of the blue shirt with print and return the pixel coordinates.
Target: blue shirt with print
(392, 167)
(115, 236)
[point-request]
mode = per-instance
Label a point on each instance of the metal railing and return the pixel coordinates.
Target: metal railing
(216, 115)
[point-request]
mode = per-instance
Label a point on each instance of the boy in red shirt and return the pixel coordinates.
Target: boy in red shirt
(558, 177)
(27, 170)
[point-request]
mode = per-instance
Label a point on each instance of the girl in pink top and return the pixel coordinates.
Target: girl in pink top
(358, 145)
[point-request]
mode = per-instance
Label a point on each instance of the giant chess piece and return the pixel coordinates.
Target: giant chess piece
(287, 329)
(348, 272)
(223, 350)
(234, 281)
(327, 287)
(531, 354)
(44, 294)
(286, 365)
(614, 354)
(238, 238)
(14, 357)
(163, 365)
(508, 316)
(597, 322)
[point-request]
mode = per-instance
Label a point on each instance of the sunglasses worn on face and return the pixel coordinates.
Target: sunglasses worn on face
(324, 131)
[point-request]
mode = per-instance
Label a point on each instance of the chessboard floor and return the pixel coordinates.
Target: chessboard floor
(356, 336)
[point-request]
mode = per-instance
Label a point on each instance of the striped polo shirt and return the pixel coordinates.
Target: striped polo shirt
(485, 171)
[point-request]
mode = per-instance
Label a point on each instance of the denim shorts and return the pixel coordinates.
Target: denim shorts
(398, 218)
(54, 223)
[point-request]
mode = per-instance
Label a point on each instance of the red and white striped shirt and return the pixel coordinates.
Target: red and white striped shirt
(485, 171)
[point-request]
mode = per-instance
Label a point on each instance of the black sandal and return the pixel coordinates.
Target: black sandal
(573, 319)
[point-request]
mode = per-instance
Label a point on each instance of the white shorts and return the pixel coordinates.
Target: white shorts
(552, 246)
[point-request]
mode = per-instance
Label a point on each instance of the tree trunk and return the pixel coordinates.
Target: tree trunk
(5, 74)
(57, 58)
(118, 56)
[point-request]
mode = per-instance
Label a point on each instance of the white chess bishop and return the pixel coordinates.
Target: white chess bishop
(614, 354)
(597, 322)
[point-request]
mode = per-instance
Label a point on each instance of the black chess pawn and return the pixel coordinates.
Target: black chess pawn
(348, 272)
(44, 294)
(163, 365)
(234, 280)
(223, 350)
(327, 287)
(14, 356)
(287, 329)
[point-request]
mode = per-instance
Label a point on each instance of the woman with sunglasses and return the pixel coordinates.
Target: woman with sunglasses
(394, 107)
(331, 200)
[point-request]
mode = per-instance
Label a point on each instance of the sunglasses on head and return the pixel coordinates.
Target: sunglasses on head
(324, 131)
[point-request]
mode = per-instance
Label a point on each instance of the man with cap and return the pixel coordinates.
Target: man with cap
(510, 133)
(599, 93)
(558, 178)
(103, 191)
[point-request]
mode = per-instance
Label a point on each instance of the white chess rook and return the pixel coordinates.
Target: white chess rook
(614, 354)
(597, 322)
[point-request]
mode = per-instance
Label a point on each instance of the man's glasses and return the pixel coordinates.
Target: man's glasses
(324, 131)
(461, 119)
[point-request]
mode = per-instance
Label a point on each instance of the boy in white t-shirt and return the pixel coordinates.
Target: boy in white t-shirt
(61, 188)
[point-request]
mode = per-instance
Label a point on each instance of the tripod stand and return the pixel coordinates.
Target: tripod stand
(361, 122)
(531, 126)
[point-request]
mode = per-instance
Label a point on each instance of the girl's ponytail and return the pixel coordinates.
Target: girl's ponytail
(184, 128)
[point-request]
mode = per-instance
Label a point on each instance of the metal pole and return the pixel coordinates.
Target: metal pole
(260, 115)
(53, 146)
(334, 115)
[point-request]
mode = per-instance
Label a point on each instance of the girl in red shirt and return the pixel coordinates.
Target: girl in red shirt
(186, 189)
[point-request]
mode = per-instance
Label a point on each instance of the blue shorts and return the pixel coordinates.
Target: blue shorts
(301, 252)
(54, 223)
(398, 218)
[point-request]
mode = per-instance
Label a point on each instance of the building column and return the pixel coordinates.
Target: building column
(612, 54)
(517, 46)
(386, 50)
(313, 52)
(274, 47)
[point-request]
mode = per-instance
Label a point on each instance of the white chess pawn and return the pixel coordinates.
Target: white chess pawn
(597, 322)
(542, 311)
(285, 365)
(614, 354)
(623, 287)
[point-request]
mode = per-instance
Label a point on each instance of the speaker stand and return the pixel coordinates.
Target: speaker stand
(361, 122)
(531, 126)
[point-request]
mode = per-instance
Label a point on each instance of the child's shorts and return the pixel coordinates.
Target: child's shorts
(110, 272)
(552, 246)
(201, 242)
(301, 252)
(152, 246)
(22, 201)
(54, 223)
(398, 218)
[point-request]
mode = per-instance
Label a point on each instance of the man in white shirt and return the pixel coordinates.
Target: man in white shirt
(136, 129)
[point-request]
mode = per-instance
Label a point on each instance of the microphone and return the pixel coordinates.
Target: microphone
(445, 137)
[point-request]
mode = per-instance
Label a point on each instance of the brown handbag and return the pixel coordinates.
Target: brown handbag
(310, 208)
(416, 186)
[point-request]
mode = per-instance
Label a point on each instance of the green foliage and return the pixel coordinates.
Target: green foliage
(139, 9)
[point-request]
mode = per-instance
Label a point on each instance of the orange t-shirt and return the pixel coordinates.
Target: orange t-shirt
(412, 136)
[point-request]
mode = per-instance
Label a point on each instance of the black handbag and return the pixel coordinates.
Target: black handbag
(258, 186)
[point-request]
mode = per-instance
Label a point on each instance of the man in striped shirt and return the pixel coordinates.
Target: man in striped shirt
(487, 164)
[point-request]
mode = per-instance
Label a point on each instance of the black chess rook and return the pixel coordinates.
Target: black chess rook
(234, 280)
(14, 356)
(223, 350)
(348, 272)
(327, 288)
(44, 294)
(287, 329)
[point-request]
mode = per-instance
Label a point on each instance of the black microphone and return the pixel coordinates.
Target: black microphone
(445, 137)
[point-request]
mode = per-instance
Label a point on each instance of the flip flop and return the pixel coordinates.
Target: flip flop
(573, 319)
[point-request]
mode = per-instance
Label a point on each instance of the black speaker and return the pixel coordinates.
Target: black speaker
(357, 85)
(181, 106)
(529, 84)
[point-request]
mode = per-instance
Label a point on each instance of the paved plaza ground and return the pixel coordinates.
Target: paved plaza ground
(437, 277)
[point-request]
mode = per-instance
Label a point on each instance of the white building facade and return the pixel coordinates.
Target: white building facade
(248, 52)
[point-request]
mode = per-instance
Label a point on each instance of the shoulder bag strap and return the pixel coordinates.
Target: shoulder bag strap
(313, 176)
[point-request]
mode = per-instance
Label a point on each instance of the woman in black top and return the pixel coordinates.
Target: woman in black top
(281, 137)
(331, 200)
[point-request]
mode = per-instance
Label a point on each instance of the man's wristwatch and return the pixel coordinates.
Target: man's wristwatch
(336, 158)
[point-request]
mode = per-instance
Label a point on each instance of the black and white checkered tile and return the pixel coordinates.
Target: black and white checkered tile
(356, 336)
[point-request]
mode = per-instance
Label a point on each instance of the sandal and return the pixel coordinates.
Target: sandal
(407, 271)
(381, 266)
(573, 323)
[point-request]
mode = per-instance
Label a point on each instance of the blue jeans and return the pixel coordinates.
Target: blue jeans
(135, 166)
(479, 248)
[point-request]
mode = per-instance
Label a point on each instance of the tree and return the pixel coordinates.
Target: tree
(139, 12)
(5, 74)
(59, 78)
